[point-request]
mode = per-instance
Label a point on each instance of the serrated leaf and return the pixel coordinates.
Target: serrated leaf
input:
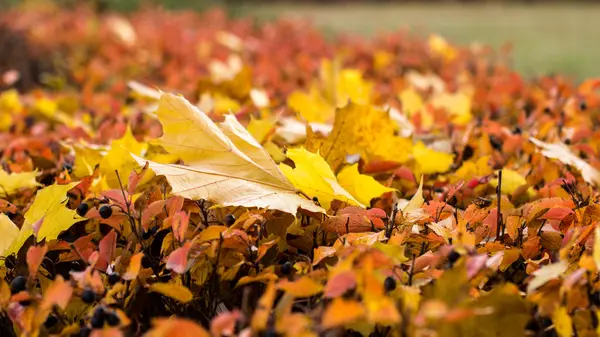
(227, 166)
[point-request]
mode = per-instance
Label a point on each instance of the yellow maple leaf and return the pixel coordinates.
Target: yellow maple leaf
(225, 164)
(49, 208)
(313, 107)
(430, 161)
(412, 102)
(13, 182)
(313, 176)
(119, 159)
(260, 128)
(364, 130)
(474, 168)
(458, 105)
(511, 180)
(361, 186)
(562, 322)
(86, 159)
(10, 232)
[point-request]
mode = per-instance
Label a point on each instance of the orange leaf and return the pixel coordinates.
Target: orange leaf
(135, 264)
(176, 327)
(58, 293)
(303, 287)
(35, 256)
(263, 309)
(340, 283)
(341, 312)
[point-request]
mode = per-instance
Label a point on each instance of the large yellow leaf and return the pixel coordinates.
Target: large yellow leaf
(311, 106)
(10, 232)
(49, 208)
(431, 161)
(226, 165)
(13, 182)
(361, 186)
(364, 130)
(313, 176)
(562, 322)
(175, 291)
(118, 159)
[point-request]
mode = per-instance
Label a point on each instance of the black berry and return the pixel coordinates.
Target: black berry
(82, 209)
(114, 278)
(229, 219)
(113, 319)
(50, 321)
(88, 296)
(68, 167)
(583, 105)
(315, 199)
(453, 257)
(496, 142)
(286, 268)
(105, 211)
(517, 130)
(18, 284)
(389, 284)
(85, 332)
(97, 320)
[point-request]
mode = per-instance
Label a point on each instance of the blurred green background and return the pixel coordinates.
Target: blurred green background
(546, 36)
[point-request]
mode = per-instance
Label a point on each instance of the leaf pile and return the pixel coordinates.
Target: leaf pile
(279, 184)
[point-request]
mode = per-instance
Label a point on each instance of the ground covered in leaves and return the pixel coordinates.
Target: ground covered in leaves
(185, 174)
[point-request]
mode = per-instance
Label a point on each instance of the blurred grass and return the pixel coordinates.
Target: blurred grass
(548, 38)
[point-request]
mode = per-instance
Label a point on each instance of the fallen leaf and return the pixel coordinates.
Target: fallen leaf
(173, 290)
(227, 167)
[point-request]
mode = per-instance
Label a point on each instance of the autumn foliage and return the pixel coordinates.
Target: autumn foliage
(186, 174)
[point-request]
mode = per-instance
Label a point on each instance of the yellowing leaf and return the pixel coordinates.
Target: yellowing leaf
(10, 102)
(596, 252)
(49, 208)
(227, 165)
(562, 322)
(352, 87)
(458, 105)
(361, 186)
(13, 182)
(341, 312)
(10, 232)
(86, 159)
(364, 130)
(511, 180)
(303, 287)
(562, 152)
(311, 106)
(416, 201)
(260, 128)
(313, 176)
(545, 274)
(473, 169)
(175, 291)
(118, 158)
(175, 327)
(430, 161)
(411, 101)
(134, 267)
